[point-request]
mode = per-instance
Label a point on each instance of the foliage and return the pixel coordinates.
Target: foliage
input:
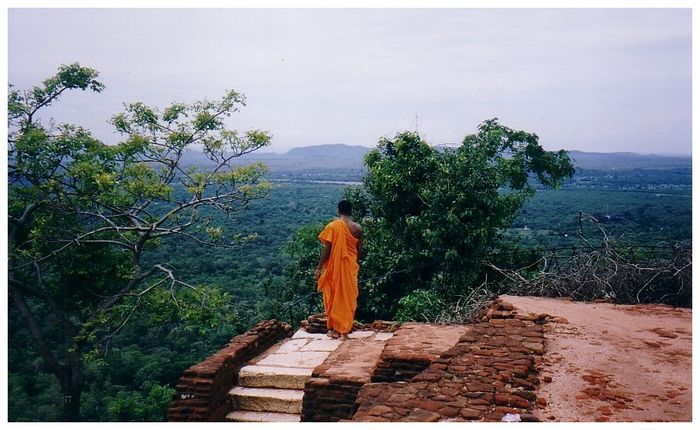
(302, 250)
(435, 211)
(635, 216)
(607, 271)
(133, 406)
(83, 214)
(419, 305)
(259, 277)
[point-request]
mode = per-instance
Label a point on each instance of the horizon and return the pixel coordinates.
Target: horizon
(658, 154)
(593, 79)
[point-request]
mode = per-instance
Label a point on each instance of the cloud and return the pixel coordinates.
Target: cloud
(590, 79)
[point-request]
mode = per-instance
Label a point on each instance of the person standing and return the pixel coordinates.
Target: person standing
(336, 273)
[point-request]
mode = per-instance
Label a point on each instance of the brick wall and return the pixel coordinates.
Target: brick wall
(202, 392)
(412, 349)
(490, 372)
(332, 390)
(329, 400)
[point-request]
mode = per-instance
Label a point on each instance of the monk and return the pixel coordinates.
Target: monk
(337, 269)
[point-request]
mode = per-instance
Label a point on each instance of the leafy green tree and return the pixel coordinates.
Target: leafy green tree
(300, 273)
(83, 217)
(435, 212)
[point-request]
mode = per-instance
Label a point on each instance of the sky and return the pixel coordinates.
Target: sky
(597, 80)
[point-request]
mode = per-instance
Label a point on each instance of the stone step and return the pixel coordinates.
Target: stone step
(307, 359)
(262, 417)
(274, 377)
(266, 400)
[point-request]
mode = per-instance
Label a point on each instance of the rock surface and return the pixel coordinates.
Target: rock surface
(607, 362)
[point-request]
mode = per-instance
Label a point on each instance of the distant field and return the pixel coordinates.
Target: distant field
(550, 219)
(634, 217)
(647, 203)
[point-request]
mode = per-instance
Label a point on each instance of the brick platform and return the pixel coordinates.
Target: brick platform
(490, 372)
(332, 390)
(202, 392)
(475, 372)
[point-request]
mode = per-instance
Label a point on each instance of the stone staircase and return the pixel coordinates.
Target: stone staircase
(271, 387)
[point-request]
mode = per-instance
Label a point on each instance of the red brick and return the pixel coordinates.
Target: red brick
(527, 395)
(429, 405)
(529, 418)
(506, 410)
(449, 391)
(502, 399)
(448, 412)
(470, 414)
(482, 408)
(519, 402)
(379, 410)
(423, 416)
(481, 402)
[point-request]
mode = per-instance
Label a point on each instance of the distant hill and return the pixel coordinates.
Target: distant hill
(338, 150)
(626, 161)
(304, 158)
(350, 158)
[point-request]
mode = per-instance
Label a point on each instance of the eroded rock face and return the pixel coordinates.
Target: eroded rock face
(490, 372)
(611, 362)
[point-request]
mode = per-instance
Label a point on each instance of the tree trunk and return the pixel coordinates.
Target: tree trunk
(71, 388)
(70, 374)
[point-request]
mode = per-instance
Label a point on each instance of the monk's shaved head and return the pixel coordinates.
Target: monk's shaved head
(345, 207)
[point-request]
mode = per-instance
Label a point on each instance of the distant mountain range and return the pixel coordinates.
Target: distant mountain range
(350, 157)
(331, 156)
(626, 161)
(338, 150)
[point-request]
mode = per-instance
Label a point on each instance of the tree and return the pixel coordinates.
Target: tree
(83, 215)
(435, 212)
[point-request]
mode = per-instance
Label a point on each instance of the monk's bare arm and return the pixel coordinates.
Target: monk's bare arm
(325, 253)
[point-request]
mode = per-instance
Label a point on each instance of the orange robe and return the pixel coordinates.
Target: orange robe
(338, 282)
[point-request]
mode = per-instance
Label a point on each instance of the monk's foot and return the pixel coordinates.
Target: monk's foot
(343, 336)
(334, 334)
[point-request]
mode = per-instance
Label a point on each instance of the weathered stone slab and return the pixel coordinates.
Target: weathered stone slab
(274, 377)
(308, 359)
(292, 345)
(266, 400)
(322, 345)
(201, 392)
(303, 334)
(383, 336)
(360, 334)
(262, 417)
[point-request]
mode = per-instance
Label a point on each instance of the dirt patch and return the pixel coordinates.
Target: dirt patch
(612, 362)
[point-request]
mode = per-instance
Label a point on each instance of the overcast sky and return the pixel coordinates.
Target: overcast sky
(588, 79)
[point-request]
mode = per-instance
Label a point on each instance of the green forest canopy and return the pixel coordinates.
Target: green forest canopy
(222, 270)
